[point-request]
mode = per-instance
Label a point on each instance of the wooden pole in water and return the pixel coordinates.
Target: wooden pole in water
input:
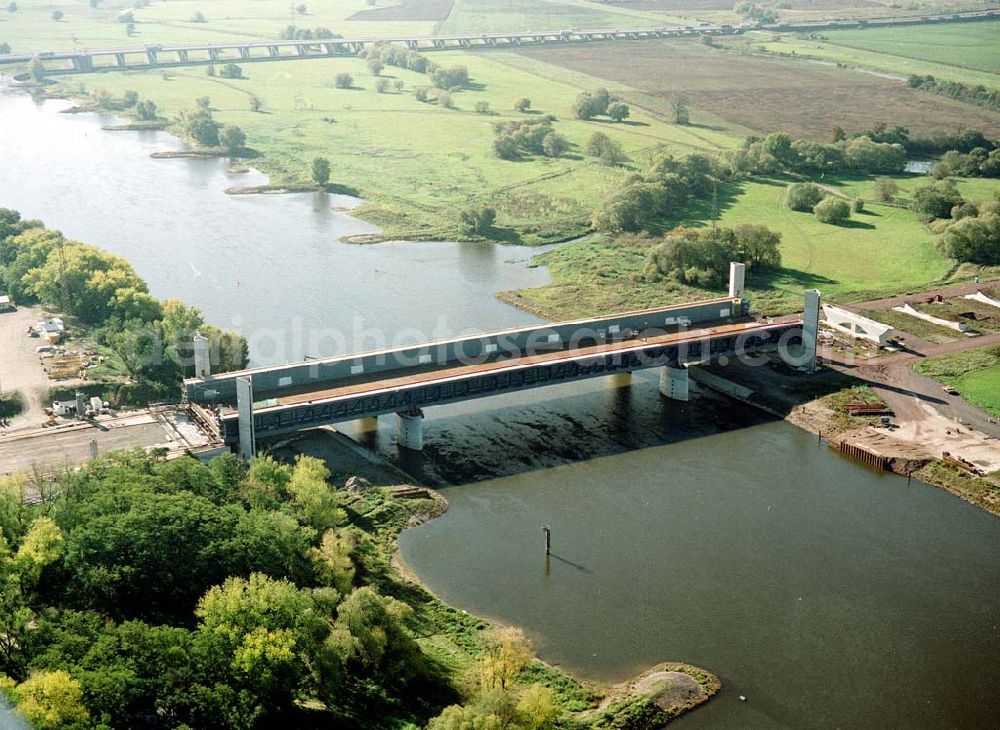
(548, 539)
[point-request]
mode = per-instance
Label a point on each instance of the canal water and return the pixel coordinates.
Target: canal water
(829, 595)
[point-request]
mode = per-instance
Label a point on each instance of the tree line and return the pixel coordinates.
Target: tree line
(978, 94)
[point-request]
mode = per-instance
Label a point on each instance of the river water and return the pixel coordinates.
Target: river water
(829, 595)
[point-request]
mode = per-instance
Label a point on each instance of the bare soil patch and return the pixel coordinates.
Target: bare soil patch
(408, 10)
(765, 94)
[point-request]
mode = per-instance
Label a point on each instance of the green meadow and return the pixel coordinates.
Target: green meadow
(419, 163)
(966, 45)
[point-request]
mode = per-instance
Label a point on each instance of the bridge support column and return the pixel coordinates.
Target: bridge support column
(675, 382)
(737, 275)
(810, 329)
(244, 407)
(410, 429)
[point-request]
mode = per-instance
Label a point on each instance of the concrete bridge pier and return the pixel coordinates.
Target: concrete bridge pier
(410, 429)
(737, 277)
(810, 329)
(202, 359)
(675, 382)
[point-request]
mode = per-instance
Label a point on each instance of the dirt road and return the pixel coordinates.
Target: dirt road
(20, 369)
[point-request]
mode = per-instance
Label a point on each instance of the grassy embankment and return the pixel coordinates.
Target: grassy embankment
(973, 373)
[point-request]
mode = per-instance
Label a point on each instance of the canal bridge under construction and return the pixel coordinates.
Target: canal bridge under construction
(266, 402)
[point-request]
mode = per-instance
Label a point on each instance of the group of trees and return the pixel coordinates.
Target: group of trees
(600, 103)
(659, 192)
(129, 102)
(152, 339)
(978, 94)
(201, 126)
(973, 233)
(294, 33)
(777, 152)
(934, 143)
(701, 257)
(170, 594)
(517, 139)
(810, 198)
(978, 162)
(446, 78)
(936, 200)
(753, 11)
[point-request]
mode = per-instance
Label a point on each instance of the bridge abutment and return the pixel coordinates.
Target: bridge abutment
(675, 382)
(410, 429)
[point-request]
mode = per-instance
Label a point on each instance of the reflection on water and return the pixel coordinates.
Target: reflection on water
(829, 595)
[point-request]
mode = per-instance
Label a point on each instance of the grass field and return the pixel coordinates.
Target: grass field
(966, 45)
(974, 373)
(792, 45)
(32, 27)
(881, 250)
(419, 163)
(763, 94)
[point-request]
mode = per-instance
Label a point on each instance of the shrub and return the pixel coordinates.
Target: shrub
(482, 107)
(832, 210)
(343, 80)
(554, 145)
(232, 138)
(231, 71)
(444, 99)
(477, 221)
(618, 111)
(858, 205)
(382, 85)
(420, 93)
(803, 197)
(198, 17)
(522, 105)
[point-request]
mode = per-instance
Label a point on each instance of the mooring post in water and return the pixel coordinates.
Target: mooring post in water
(548, 539)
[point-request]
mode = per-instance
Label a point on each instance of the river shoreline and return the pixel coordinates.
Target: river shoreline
(663, 700)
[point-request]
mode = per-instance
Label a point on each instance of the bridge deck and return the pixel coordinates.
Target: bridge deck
(430, 374)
